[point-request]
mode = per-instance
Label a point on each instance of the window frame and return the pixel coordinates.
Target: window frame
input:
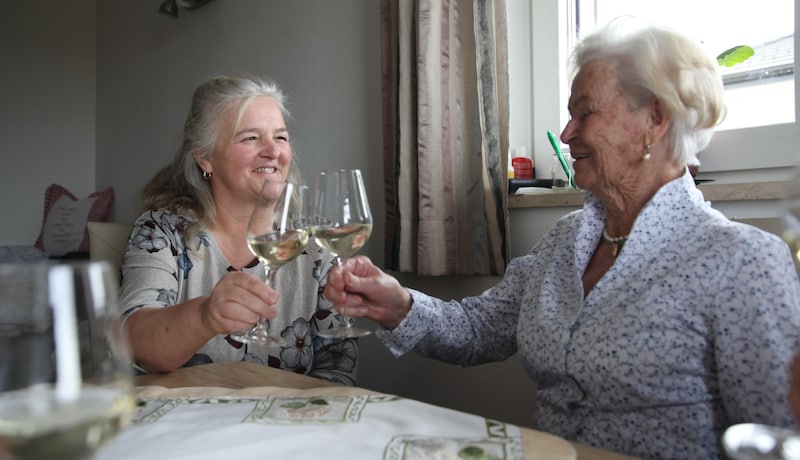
(536, 67)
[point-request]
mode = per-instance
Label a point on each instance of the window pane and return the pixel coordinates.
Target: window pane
(759, 91)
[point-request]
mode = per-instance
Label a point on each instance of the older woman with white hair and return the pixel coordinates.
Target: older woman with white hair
(648, 320)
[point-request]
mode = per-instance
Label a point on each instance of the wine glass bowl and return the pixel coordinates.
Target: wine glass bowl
(342, 223)
(343, 241)
(277, 233)
(66, 374)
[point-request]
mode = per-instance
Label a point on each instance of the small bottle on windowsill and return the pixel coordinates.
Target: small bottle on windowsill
(522, 163)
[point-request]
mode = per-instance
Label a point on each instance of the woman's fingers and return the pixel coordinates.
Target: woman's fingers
(239, 300)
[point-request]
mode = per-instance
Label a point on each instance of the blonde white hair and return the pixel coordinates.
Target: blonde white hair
(655, 62)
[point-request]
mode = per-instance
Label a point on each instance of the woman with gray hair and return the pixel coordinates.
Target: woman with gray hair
(188, 276)
(648, 320)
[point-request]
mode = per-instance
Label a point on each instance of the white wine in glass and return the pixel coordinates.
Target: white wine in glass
(66, 373)
(342, 223)
(277, 233)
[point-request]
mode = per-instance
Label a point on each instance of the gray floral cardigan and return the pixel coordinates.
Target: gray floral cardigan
(159, 269)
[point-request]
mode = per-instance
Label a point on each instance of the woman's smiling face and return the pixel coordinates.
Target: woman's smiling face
(258, 149)
(605, 134)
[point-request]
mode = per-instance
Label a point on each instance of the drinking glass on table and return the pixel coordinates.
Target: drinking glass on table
(277, 233)
(65, 365)
(342, 223)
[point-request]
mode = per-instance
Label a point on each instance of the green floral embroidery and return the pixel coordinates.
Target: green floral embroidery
(474, 453)
(301, 404)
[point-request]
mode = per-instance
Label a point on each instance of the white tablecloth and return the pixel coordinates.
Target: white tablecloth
(333, 422)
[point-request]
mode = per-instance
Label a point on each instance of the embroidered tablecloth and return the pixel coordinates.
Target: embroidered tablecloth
(331, 422)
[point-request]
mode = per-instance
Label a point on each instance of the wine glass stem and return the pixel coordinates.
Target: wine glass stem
(344, 320)
(270, 281)
(270, 276)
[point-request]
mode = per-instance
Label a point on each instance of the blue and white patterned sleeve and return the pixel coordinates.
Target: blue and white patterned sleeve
(756, 330)
(475, 330)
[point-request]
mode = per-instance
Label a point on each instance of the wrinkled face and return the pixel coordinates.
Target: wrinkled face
(258, 149)
(606, 136)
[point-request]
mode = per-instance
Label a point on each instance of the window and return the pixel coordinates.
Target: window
(759, 91)
(761, 130)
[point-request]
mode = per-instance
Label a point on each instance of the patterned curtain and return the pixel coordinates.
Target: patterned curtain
(445, 130)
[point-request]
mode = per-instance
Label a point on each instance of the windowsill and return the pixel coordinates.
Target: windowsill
(742, 191)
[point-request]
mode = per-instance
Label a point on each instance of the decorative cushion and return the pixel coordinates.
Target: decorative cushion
(65, 217)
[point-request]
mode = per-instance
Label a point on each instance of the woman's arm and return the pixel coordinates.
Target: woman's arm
(164, 338)
(164, 326)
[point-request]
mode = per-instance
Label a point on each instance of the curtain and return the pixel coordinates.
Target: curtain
(445, 131)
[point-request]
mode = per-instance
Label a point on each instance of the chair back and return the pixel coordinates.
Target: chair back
(108, 241)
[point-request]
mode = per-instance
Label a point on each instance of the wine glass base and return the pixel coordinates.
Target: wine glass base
(750, 441)
(344, 332)
(260, 339)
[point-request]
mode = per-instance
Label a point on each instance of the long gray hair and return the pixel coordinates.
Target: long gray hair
(180, 186)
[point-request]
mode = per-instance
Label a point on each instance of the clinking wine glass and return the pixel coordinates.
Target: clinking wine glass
(342, 223)
(277, 233)
(66, 375)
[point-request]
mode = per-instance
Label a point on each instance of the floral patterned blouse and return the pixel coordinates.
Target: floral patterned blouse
(159, 270)
(690, 331)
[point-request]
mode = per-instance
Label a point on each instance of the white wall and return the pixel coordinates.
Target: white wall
(47, 108)
(324, 54)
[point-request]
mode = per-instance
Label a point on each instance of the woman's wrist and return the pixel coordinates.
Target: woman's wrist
(402, 311)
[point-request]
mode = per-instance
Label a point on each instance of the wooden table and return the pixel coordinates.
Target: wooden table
(239, 375)
(234, 375)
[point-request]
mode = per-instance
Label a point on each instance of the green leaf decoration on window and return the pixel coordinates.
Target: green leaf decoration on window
(735, 55)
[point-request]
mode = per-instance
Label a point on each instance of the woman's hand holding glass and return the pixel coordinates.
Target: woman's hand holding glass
(277, 233)
(368, 291)
(237, 302)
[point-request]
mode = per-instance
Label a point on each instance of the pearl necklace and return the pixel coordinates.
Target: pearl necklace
(615, 242)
